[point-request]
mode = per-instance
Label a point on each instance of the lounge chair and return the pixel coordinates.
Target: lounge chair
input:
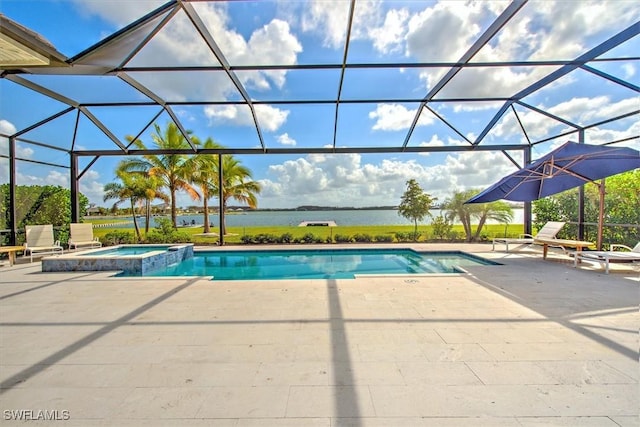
(82, 236)
(40, 241)
(548, 231)
(610, 256)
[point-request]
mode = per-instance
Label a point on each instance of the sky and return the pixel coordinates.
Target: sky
(313, 32)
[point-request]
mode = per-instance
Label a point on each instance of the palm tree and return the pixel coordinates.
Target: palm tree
(152, 187)
(149, 188)
(204, 169)
(237, 185)
(498, 211)
(172, 169)
(455, 208)
(129, 190)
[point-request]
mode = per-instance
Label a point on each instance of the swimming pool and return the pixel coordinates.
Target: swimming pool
(316, 264)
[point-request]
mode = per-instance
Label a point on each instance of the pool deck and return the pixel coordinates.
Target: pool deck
(529, 343)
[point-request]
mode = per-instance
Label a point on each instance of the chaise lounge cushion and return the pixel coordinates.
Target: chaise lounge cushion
(40, 240)
(611, 256)
(81, 235)
(548, 231)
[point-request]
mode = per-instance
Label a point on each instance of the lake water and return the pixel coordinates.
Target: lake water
(293, 218)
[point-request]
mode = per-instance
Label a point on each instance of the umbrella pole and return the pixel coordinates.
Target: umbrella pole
(600, 214)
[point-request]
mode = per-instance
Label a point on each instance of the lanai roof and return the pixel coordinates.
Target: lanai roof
(199, 58)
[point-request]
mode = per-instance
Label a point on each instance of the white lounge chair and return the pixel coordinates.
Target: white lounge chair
(81, 235)
(39, 241)
(610, 256)
(548, 231)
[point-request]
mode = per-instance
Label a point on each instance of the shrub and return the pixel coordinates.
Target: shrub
(383, 238)
(342, 238)
(286, 238)
(401, 236)
(362, 238)
(310, 238)
(454, 235)
(441, 227)
(118, 238)
(408, 237)
(164, 232)
(176, 237)
(265, 238)
(247, 239)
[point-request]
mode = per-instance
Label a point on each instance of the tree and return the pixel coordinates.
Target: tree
(172, 169)
(622, 204)
(455, 208)
(237, 184)
(415, 205)
(131, 189)
(41, 204)
(148, 187)
(205, 176)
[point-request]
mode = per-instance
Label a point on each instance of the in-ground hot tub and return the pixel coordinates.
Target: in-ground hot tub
(131, 259)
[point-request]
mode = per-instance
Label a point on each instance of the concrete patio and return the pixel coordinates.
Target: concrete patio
(526, 343)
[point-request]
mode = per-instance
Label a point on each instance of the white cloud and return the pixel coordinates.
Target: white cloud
(444, 31)
(329, 20)
(7, 127)
(285, 139)
(22, 151)
(91, 187)
(269, 118)
(121, 13)
(273, 44)
(581, 111)
(344, 179)
(496, 81)
(394, 117)
(629, 70)
(179, 43)
(477, 106)
(435, 141)
(599, 135)
(389, 37)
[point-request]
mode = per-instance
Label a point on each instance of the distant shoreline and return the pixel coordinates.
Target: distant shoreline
(238, 209)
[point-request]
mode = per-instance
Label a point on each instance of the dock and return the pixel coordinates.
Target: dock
(318, 224)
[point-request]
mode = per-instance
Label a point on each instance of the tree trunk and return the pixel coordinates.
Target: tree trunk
(135, 221)
(206, 212)
(174, 216)
(466, 223)
(147, 216)
(483, 219)
(415, 229)
(223, 230)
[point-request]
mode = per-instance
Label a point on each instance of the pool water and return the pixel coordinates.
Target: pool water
(126, 250)
(317, 264)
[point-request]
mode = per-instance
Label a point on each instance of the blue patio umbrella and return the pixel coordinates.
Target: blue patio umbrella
(566, 167)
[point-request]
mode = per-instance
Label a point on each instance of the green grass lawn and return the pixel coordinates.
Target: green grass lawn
(234, 234)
